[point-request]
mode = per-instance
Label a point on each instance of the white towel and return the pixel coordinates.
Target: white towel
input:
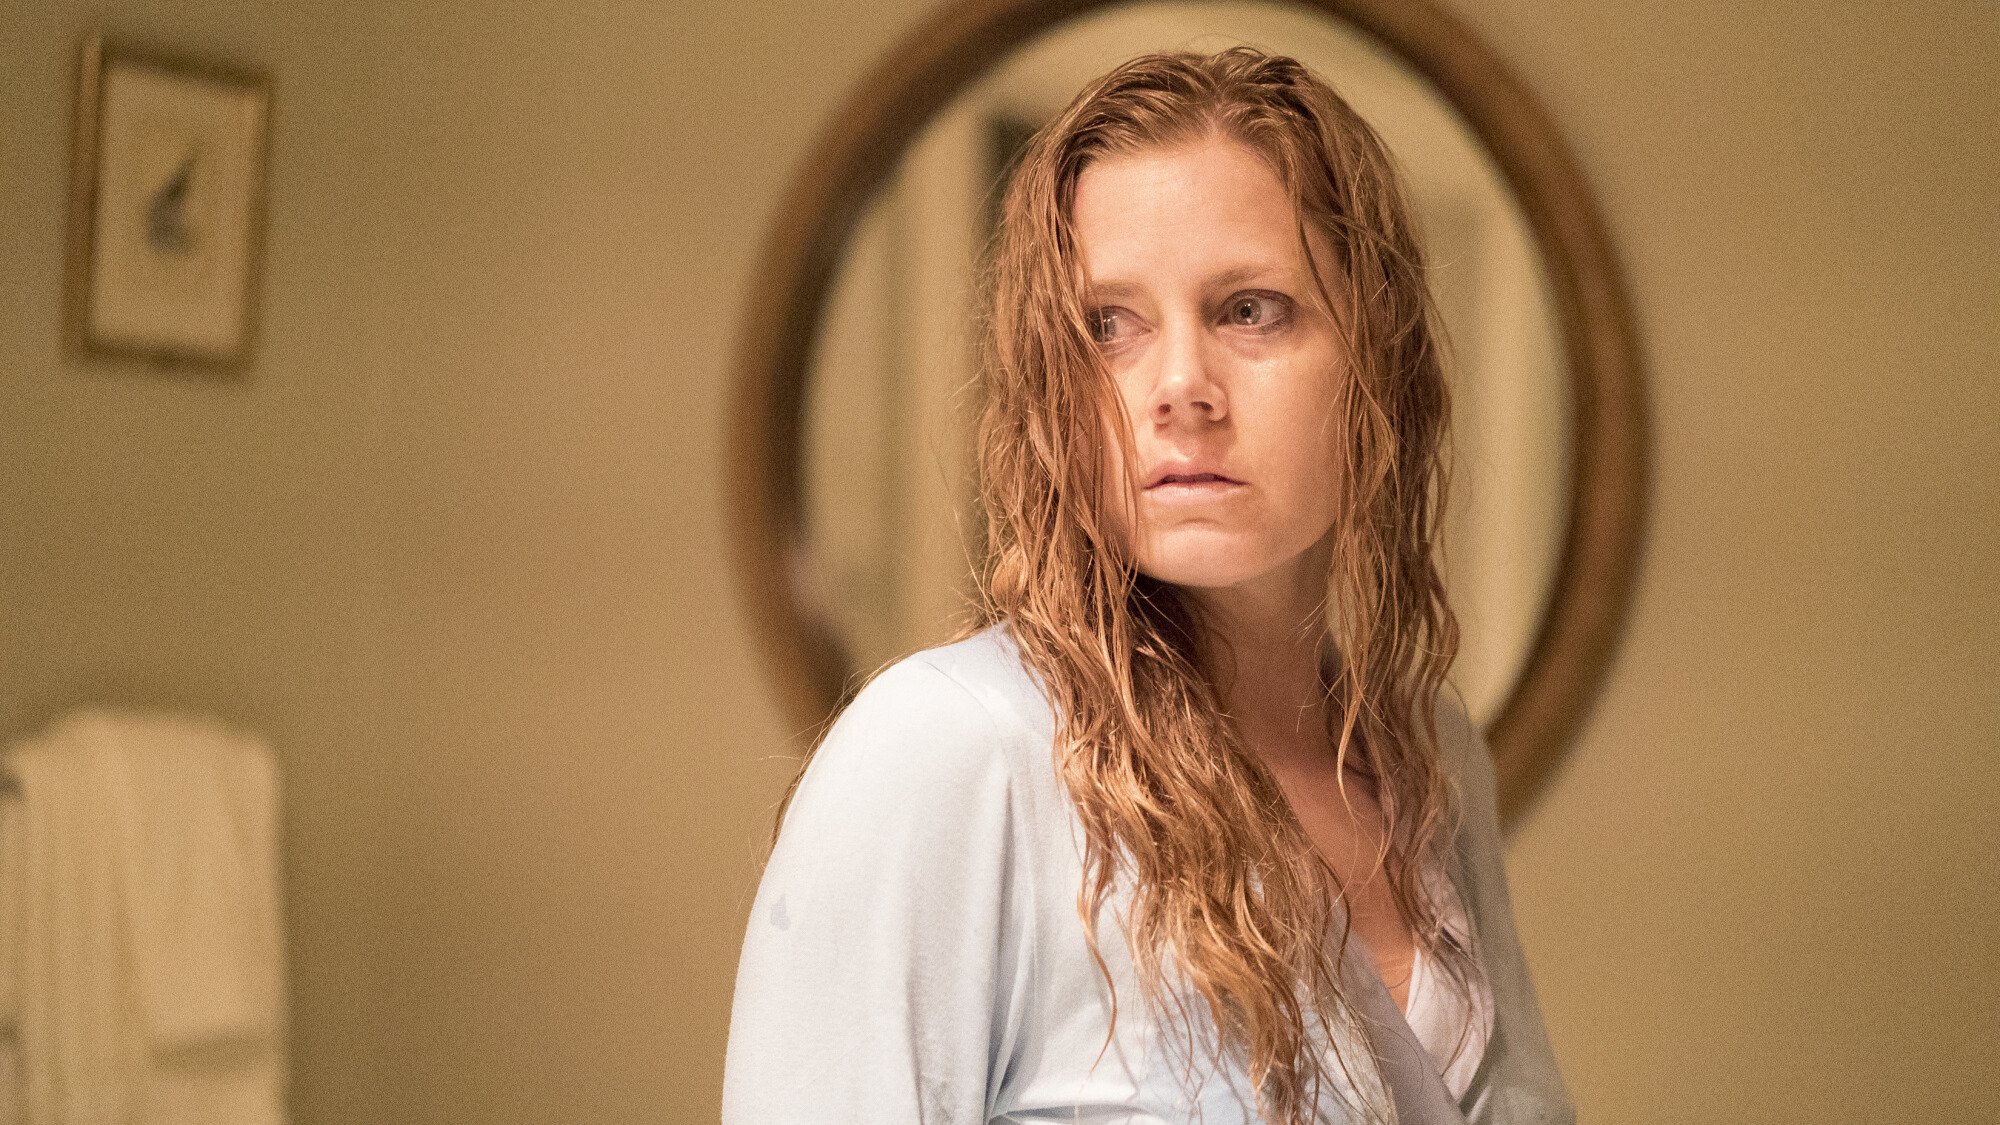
(151, 978)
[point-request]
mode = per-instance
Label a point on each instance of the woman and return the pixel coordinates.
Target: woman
(1182, 828)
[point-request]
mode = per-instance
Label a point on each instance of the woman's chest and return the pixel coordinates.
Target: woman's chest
(1346, 827)
(1090, 1046)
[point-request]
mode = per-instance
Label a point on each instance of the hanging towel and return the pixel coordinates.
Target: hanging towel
(151, 980)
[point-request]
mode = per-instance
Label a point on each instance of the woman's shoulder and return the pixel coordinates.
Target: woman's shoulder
(895, 916)
(1461, 745)
(951, 719)
(1467, 762)
(987, 666)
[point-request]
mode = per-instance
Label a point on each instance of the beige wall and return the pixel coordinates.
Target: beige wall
(455, 546)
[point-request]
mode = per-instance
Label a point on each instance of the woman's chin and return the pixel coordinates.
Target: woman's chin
(1207, 557)
(1200, 570)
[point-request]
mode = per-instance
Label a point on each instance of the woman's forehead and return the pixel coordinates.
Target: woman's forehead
(1211, 213)
(1112, 287)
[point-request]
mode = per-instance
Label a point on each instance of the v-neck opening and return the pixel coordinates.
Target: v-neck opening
(1417, 1016)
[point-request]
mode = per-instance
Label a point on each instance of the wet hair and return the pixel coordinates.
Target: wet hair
(1231, 905)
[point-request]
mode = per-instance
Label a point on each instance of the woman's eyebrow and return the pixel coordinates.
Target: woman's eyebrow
(1234, 275)
(1239, 274)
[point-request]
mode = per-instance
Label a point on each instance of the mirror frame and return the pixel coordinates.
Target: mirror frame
(862, 144)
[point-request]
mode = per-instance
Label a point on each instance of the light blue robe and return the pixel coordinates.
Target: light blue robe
(914, 952)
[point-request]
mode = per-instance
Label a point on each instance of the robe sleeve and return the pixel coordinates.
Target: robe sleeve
(879, 970)
(1518, 1082)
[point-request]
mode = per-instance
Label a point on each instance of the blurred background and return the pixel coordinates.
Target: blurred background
(454, 544)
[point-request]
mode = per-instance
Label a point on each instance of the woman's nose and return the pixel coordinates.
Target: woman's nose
(1185, 387)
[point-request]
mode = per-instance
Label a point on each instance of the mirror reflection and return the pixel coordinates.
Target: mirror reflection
(891, 517)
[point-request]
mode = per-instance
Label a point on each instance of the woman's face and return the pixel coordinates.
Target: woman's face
(1202, 307)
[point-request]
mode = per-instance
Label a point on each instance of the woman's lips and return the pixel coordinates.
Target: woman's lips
(1194, 490)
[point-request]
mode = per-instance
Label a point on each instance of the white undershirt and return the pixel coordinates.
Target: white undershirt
(1438, 1015)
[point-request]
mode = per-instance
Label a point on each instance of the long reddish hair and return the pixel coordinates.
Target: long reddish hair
(1230, 903)
(1227, 892)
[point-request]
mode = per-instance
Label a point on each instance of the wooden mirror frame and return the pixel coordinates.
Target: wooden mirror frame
(861, 147)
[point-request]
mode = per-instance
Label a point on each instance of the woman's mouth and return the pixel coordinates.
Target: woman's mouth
(1193, 487)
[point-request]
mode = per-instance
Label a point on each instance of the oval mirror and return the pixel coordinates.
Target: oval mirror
(855, 444)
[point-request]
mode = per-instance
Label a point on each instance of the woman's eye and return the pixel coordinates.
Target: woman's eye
(1255, 310)
(1105, 324)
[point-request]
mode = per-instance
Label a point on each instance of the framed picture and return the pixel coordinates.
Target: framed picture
(167, 173)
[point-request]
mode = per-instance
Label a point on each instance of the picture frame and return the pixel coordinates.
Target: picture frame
(168, 177)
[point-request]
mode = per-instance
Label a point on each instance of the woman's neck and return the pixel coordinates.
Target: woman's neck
(1265, 646)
